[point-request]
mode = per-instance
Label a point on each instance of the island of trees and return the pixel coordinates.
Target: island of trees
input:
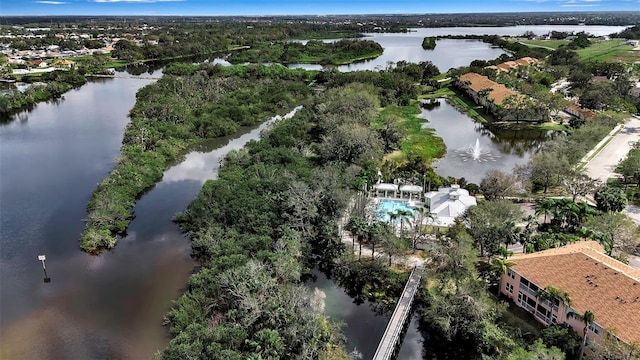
(429, 43)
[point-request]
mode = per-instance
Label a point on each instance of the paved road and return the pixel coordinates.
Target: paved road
(603, 165)
(633, 212)
(634, 261)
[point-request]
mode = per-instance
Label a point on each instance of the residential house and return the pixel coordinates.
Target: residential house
(39, 63)
(474, 84)
(594, 281)
(510, 65)
(579, 112)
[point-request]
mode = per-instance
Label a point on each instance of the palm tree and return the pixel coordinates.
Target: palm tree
(393, 216)
(529, 230)
(421, 214)
(587, 319)
(511, 233)
(500, 267)
(377, 232)
(543, 207)
(585, 211)
(554, 295)
(358, 228)
(403, 215)
(504, 252)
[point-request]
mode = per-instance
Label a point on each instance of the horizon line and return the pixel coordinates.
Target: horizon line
(328, 15)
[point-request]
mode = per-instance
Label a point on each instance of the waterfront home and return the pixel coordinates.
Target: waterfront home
(485, 91)
(475, 84)
(592, 280)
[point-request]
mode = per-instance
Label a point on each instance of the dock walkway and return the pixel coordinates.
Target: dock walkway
(393, 333)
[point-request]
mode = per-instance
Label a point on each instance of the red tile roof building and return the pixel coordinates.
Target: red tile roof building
(475, 83)
(509, 65)
(594, 281)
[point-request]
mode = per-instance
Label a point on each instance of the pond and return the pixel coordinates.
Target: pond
(495, 149)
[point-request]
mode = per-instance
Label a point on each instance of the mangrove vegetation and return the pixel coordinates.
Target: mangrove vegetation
(312, 52)
(174, 113)
(272, 212)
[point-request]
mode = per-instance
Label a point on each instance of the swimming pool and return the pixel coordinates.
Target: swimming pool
(384, 207)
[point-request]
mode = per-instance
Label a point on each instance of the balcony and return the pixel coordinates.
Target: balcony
(526, 289)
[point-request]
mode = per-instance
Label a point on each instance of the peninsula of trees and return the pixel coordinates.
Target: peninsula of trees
(174, 113)
(313, 52)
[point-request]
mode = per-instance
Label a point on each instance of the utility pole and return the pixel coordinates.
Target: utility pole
(44, 268)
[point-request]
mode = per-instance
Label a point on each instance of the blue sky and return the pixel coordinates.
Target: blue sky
(296, 7)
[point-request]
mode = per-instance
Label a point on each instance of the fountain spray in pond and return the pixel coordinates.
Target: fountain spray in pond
(476, 153)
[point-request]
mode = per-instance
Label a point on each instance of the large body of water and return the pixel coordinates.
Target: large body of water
(111, 306)
(450, 53)
(408, 47)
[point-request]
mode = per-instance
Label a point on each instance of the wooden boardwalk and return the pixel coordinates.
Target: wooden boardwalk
(393, 332)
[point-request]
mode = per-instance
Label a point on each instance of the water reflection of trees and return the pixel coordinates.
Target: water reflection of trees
(515, 141)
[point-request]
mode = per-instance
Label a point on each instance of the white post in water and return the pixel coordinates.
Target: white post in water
(44, 268)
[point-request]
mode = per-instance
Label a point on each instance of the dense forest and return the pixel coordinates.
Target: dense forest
(247, 299)
(632, 32)
(189, 39)
(192, 103)
(272, 215)
(313, 52)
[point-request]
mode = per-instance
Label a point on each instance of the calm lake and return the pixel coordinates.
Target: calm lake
(111, 306)
(408, 47)
(448, 54)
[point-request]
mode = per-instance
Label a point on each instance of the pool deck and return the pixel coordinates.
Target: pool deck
(408, 260)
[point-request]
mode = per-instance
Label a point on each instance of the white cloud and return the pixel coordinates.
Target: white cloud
(578, 3)
(136, 1)
(51, 2)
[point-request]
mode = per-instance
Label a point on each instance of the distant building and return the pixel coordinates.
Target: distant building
(594, 281)
(510, 65)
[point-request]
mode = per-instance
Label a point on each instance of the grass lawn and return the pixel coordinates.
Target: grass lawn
(322, 35)
(551, 126)
(468, 107)
(443, 92)
(306, 59)
(553, 44)
(609, 50)
(422, 142)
